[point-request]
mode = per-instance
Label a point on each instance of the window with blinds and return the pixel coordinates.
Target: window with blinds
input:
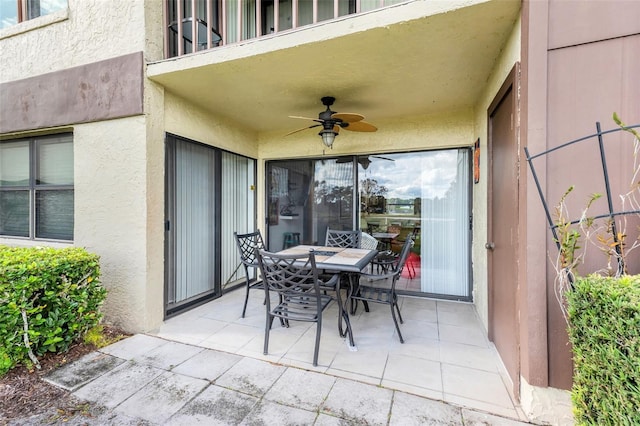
(36, 188)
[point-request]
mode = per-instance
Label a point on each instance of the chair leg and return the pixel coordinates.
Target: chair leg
(246, 299)
(343, 313)
(268, 324)
(317, 348)
(395, 321)
(354, 288)
(395, 302)
(411, 269)
(340, 311)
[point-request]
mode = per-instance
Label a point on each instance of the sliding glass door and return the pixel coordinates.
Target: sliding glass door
(426, 194)
(390, 196)
(305, 197)
(209, 195)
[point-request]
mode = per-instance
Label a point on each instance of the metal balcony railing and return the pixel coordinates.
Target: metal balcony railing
(194, 25)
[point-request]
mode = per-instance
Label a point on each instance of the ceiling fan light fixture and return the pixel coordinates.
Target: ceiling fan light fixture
(328, 136)
(364, 161)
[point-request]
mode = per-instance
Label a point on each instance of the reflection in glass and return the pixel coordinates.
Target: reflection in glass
(14, 164)
(54, 214)
(305, 198)
(37, 8)
(424, 193)
(55, 162)
(14, 213)
(8, 13)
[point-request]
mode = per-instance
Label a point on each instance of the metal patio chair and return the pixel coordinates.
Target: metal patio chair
(381, 288)
(345, 239)
(368, 242)
(248, 244)
(295, 279)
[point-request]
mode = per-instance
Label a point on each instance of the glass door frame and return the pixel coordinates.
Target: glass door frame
(357, 161)
(172, 309)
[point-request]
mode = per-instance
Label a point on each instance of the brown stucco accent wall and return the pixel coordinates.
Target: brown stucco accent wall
(588, 70)
(533, 290)
(98, 91)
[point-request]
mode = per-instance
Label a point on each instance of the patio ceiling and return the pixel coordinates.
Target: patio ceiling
(411, 59)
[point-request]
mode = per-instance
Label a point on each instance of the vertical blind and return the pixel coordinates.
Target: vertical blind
(238, 211)
(194, 220)
(445, 227)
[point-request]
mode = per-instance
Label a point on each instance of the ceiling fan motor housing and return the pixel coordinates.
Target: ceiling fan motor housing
(325, 115)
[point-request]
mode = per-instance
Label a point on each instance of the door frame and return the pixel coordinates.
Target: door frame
(511, 84)
(219, 255)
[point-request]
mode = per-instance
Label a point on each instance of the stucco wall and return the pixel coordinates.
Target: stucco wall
(446, 129)
(93, 30)
(111, 209)
(187, 120)
(110, 206)
(510, 55)
(119, 163)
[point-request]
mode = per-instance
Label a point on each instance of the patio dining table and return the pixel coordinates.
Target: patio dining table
(349, 261)
(385, 238)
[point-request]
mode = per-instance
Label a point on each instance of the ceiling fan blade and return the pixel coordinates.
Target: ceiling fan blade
(336, 129)
(383, 158)
(305, 118)
(359, 126)
(347, 117)
(304, 128)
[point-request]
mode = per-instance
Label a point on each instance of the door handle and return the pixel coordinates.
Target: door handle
(490, 246)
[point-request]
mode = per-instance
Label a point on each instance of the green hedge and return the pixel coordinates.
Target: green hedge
(604, 329)
(58, 292)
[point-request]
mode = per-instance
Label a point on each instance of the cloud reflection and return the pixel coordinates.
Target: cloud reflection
(424, 174)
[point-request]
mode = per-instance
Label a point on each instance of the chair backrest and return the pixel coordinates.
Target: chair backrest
(248, 244)
(289, 274)
(368, 242)
(404, 255)
(394, 229)
(345, 239)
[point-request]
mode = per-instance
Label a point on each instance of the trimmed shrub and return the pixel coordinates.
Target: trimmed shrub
(48, 299)
(604, 329)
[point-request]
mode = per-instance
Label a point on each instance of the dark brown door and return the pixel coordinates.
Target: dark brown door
(503, 229)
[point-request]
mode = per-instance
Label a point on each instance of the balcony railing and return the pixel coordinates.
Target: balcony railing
(194, 25)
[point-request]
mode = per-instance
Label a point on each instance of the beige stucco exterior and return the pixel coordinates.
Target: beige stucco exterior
(87, 32)
(425, 72)
(118, 163)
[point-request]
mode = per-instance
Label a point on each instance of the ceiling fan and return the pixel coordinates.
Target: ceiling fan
(331, 122)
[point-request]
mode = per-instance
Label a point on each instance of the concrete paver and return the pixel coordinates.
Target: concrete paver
(476, 418)
(215, 406)
(80, 373)
(411, 410)
(300, 388)
(251, 376)
(271, 413)
(163, 397)
(207, 364)
(178, 384)
(168, 355)
(118, 385)
(359, 402)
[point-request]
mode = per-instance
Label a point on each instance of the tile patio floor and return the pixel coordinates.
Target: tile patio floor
(446, 355)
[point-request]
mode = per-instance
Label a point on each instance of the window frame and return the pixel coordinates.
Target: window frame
(26, 7)
(33, 187)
